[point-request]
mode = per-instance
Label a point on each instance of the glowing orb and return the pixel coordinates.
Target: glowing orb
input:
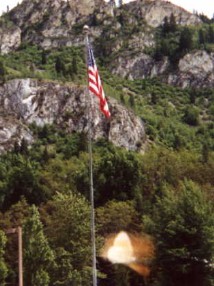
(121, 251)
(134, 251)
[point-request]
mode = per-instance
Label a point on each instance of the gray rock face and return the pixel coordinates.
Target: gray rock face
(25, 101)
(154, 12)
(195, 69)
(83, 7)
(139, 66)
(56, 23)
(11, 130)
(10, 39)
(196, 63)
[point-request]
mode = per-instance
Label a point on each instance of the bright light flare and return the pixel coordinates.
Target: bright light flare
(137, 252)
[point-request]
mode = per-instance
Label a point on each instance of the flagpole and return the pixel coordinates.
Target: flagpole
(93, 237)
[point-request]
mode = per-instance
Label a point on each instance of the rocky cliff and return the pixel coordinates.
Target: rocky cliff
(10, 39)
(128, 31)
(55, 23)
(154, 12)
(195, 69)
(27, 101)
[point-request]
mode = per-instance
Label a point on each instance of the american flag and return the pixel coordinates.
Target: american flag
(94, 82)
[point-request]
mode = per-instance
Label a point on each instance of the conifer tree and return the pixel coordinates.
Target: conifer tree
(172, 23)
(211, 34)
(24, 147)
(166, 26)
(183, 225)
(201, 37)
(2, 72)
(186, 41)
(38, 256)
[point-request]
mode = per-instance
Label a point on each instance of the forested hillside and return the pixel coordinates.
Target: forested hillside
(162, 188)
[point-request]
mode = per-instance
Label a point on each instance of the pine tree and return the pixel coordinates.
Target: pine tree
(16, 147)
(201, 37)
(211, 34)
(38, 256)
(166, 26)
(59, 65)
(183, 225)
(68, 228)
(172, 23)
(205, 152)
(24, 147)
(2, 72)
(186, 41)
(122, 99)
(44, 57)
(74, 65)
(131, 101)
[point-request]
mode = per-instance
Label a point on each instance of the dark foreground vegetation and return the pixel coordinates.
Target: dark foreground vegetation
(165, 193)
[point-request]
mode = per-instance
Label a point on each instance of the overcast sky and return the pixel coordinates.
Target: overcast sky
(201, 6)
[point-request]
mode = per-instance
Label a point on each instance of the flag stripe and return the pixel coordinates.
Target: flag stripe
(94, 82)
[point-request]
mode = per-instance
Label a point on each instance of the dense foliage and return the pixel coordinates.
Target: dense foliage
(165, 193)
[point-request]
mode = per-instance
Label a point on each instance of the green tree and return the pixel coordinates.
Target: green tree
(13, 218)
(186, 40)
(117, 175)
(3, 266)
(210, 34)
(74, 64)
(205, 152)
(192, 96)
(68, 227)
(201, 37)
(60, 66)
(166, 26)
(191, 116)
(183, 225)
(44, 57)
(38, 256)
(116, 216)
(16, 147)
(131, 101)
(172, 23)
(73, 67)
(24, 147)
(122, 99)
(94, 20)
(23, 180)
(2, 71)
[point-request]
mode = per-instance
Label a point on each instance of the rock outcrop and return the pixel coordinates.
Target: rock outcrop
(10, 39)
(26, 101)
(194, 69)
(56, 23)
(154, 12)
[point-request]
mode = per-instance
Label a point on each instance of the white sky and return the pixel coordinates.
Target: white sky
(201, 6)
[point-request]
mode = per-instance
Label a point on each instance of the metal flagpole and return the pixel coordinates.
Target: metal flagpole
(93, 238)
(19, 230)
